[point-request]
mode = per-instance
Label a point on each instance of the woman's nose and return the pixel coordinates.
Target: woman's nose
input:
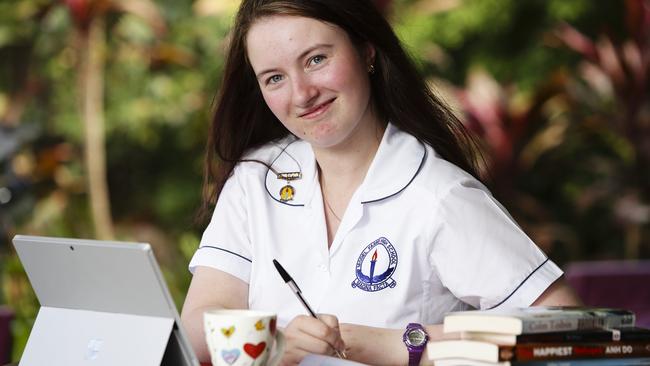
(304, 91)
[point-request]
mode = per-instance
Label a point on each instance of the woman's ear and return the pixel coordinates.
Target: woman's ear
(370, 53)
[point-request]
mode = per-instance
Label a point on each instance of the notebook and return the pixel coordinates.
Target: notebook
(102, 303)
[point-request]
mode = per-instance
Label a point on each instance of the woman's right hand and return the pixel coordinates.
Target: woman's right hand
(305, 335)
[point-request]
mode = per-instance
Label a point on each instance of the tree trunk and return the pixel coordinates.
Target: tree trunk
(91, 50)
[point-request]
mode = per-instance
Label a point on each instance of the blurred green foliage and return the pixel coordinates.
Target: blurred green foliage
(548, 117)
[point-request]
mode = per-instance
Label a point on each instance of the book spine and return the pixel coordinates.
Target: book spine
(644, 361)
(630, 334)
(576, 321)
(561, 351)
(617, 321)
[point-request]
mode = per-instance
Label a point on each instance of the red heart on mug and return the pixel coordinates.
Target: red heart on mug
(254, 350)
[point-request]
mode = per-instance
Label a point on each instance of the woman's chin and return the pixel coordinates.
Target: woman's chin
(324, 135)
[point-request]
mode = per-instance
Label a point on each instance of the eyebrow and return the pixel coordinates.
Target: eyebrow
(302, 55)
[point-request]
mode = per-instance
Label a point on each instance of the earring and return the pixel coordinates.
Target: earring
(371, 69)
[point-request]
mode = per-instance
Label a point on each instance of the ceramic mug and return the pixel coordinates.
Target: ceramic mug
(242, 337)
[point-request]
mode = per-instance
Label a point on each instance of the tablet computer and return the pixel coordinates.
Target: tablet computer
(102, 303)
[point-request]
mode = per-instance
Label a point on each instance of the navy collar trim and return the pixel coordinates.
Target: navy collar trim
(397, 151)
(424, 158)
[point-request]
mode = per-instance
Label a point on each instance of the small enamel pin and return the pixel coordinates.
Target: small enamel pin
(288, 192)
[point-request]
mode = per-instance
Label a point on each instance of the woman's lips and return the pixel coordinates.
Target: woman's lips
(318, 110)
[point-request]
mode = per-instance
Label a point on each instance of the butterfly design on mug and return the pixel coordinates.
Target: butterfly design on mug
(259, 326)
(228, 331)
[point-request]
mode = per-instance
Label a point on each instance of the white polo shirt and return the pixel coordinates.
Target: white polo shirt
(440, 241)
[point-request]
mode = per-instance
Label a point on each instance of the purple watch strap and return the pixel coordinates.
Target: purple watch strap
(415, 355)
(415, 352)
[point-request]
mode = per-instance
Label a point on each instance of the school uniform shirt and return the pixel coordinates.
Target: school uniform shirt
(420, 238)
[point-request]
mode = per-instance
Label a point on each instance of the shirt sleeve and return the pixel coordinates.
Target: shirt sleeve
(482, 256)
(225, 243)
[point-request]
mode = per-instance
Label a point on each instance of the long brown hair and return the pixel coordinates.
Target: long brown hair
(243, 121)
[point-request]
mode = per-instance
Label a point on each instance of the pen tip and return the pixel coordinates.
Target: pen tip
(281, 271)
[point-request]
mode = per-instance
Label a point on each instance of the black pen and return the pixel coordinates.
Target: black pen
(296, 290)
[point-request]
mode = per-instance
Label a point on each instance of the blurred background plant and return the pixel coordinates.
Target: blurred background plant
(104, 106)
(558, 93)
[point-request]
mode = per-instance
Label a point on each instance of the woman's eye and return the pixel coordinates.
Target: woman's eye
(274, 79)
(317, 59)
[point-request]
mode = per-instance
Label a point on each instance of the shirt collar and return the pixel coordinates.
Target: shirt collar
(398, 160)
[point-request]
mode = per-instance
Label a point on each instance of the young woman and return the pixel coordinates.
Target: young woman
(336, 160)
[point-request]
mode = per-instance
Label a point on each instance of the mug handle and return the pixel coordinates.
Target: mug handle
(279, 349)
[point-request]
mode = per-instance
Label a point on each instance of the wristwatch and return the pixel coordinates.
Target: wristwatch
(415, 338)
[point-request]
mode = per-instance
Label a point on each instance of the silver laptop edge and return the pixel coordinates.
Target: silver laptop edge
(109, 277)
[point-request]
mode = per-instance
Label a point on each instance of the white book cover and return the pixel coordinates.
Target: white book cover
(537, 319)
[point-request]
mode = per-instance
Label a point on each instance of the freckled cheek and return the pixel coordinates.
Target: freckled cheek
(348, 78)
(335, 79)
(276, 102)
(281, 109)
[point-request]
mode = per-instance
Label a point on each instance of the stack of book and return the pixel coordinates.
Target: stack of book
(551, 336)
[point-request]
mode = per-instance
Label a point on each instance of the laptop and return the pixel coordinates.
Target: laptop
(102, 303)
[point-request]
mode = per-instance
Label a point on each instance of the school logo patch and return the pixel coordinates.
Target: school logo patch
(375, 266)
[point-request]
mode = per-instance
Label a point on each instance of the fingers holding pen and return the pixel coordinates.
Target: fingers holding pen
(320, 335)
(305, 335)
(336, 341)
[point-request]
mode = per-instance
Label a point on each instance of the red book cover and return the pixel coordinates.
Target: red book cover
(560, 351)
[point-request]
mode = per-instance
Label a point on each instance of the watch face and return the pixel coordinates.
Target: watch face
(416, 337)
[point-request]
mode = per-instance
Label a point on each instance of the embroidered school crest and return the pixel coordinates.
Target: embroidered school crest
(375, 266)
